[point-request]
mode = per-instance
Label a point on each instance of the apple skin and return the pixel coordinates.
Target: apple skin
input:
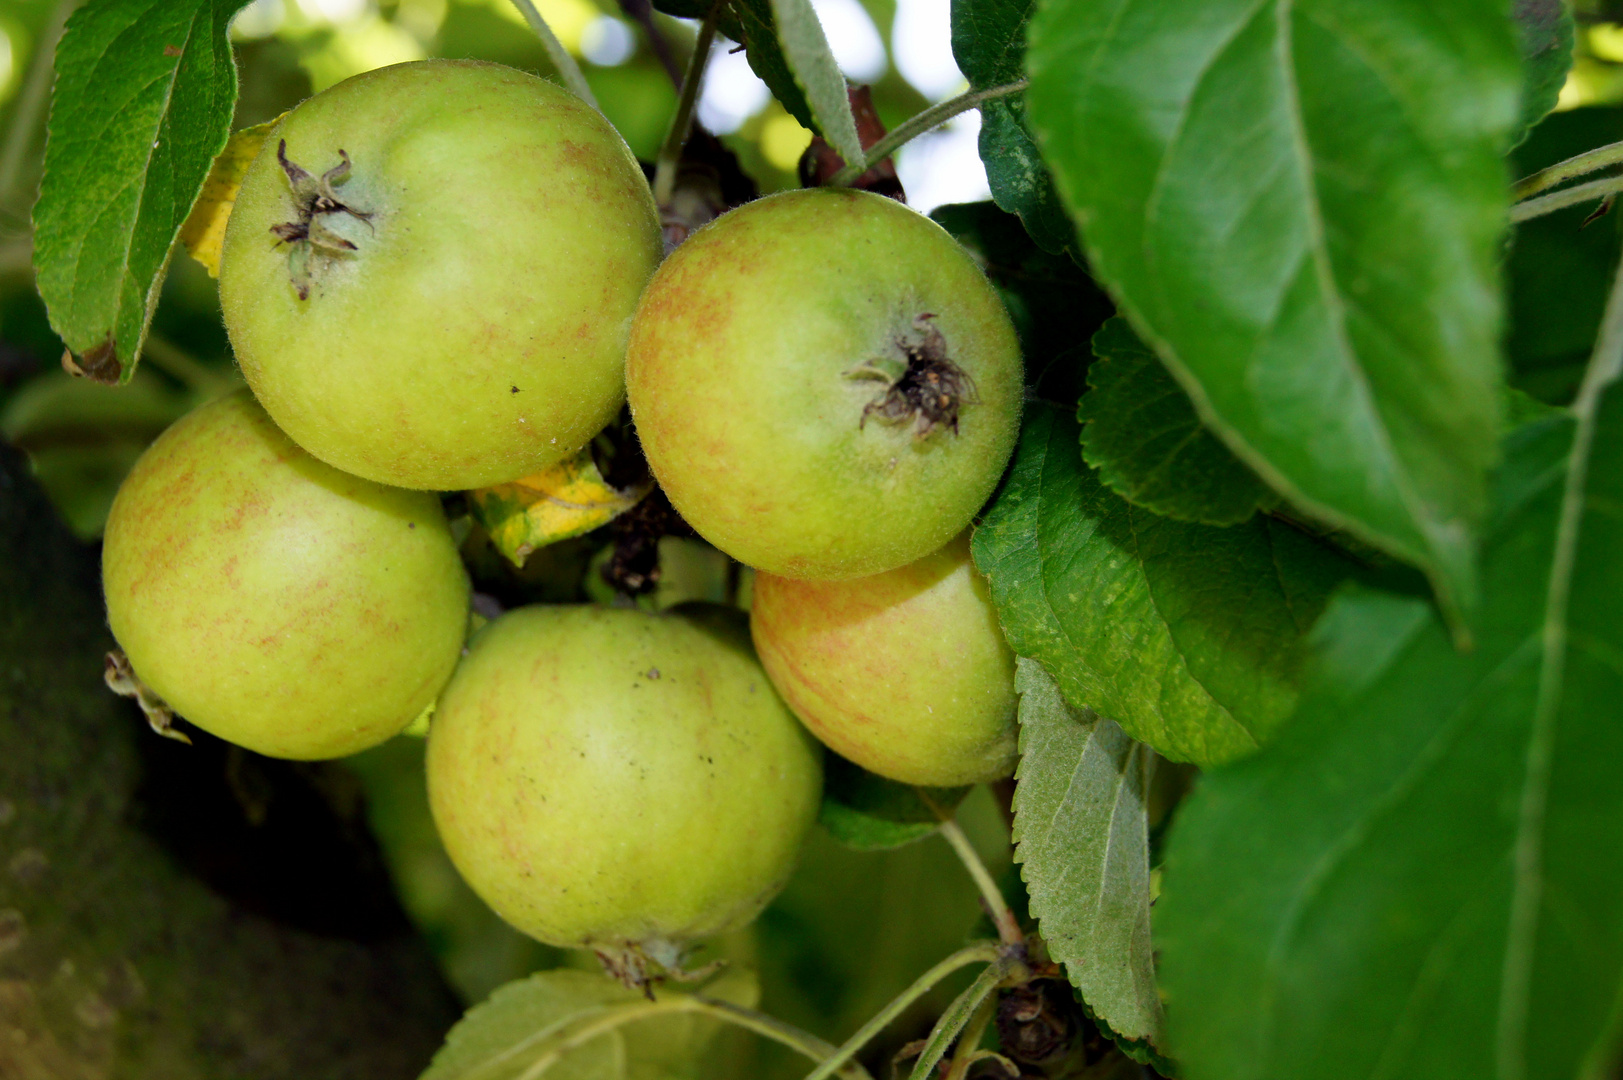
(737, 377)
(612, 779)
(274, 601)
(905, 673)
(477, 333)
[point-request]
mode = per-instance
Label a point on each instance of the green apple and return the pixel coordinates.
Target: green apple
(824, 383)
(905, 673)
(430, 271)
(611, 779)
(274, 601)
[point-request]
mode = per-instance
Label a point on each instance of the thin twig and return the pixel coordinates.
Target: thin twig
(918, 124)
(1560, 200)
(1587, 162)
(31, 103)
(980, 952)
(670, 154)
(557, 53)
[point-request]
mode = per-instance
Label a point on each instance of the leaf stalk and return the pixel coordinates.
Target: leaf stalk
(1560, 200)
(980, 952)
(1589, 161)
(958, 1014)
(966, 1055)
(670, 153)
(1008, 927)
(565, 63)
(918, 124)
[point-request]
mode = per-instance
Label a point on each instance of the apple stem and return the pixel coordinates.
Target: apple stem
(918, 124)
(1008, 927)
(571, 72)
(670, 154)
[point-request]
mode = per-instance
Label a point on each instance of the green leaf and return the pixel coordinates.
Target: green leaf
(989, 43)
(1082, 839)
(1546, 31)
(1422, 876)
(502, 1038)
(1186, 635)
(805, 49)
(1301, 206)
(1558, 268)
(143, 101)
(1143, 436)
(871, 813)
(752, 24)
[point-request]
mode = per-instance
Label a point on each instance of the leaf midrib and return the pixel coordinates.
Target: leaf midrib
(1334, 302)
(127, 248)
(1357, 830)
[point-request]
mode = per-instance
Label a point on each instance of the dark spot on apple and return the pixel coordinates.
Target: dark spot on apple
(515, 389)
(923, 386)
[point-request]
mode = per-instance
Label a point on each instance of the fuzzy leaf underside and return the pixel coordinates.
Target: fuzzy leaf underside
(1300, 204)
(1437, 828)
(811, 61)
(142, 105)
(1144, 437)
(1186, 635)
(1082, 841)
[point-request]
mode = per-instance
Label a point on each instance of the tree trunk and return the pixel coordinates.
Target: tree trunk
(172, 911)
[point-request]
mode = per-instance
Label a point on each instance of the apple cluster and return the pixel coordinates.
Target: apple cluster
(447, 275)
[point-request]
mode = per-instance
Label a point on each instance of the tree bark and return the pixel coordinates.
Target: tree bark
(175, 912)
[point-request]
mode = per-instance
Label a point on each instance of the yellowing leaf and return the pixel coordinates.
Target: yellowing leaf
(204, 230)
(568, 499)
